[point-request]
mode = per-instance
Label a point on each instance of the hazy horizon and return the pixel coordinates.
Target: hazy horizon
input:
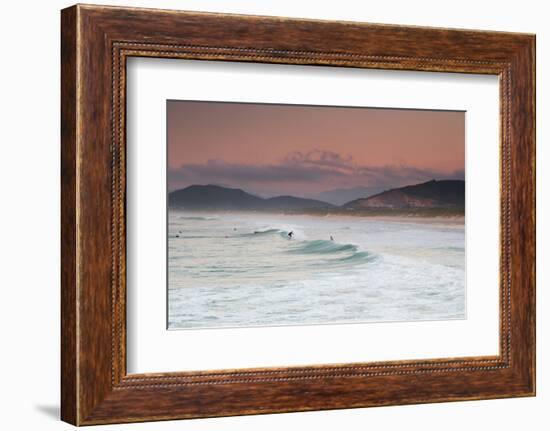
(310, 151)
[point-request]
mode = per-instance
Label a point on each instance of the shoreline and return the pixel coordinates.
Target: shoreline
(449, 216)
(449, 220)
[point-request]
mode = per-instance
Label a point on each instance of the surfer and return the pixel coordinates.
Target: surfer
(331, 238)
(290, 234)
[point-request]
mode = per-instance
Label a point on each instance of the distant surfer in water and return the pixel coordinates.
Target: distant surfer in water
(331, 238)
(290, 234)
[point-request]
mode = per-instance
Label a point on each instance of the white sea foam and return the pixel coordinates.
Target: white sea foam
(242, 269)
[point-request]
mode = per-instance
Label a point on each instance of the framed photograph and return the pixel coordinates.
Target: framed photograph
(265, 215)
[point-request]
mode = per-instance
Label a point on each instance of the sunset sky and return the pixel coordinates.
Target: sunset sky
(299, 150)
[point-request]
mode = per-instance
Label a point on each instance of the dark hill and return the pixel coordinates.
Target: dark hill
(212, 197)
(291, 202)
(200, 197)
(432, 194)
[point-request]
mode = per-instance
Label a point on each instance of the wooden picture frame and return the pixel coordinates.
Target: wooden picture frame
(95, 43)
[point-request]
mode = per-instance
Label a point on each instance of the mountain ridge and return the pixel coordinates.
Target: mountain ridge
(217, 197)
(430, 194)
(341, 196)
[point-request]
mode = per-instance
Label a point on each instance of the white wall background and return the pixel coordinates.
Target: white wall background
(29, 219)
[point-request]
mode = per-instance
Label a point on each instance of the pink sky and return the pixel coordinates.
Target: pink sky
(303, 150)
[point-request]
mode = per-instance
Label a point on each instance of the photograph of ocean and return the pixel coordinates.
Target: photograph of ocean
(282, 214)
(243, 269)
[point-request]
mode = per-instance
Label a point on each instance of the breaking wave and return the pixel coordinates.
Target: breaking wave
(328, 251)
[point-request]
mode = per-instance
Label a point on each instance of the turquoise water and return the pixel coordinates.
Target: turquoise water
(243, 269)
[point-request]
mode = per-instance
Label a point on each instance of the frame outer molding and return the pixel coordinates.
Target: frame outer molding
(95, 41)
(69, 326)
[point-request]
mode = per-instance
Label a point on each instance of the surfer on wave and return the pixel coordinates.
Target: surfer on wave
(290, 234)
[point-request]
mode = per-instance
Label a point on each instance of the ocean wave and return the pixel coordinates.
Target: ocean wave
(329, 252)
(296, 234)
(322, 246)
(359, 257)
(197, 218)
(451, 248)
(180, 236)
(332, 253)
(264, 232)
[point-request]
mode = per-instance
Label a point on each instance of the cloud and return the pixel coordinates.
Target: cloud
(320, 159)
(218, 170)
(326, 168)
